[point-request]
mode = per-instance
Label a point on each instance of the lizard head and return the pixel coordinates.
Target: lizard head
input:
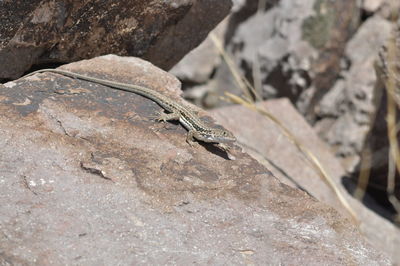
(216, 136)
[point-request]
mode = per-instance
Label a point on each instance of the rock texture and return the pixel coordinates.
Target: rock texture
(45, 31)
(263, 139)
(384, 8)
(347, 111)
(377, 141)
(292, 49)
(372, 5)
(87, 177)
(198, 65)
(320, 55)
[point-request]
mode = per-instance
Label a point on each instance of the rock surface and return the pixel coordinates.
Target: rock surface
(352, 102)
(299, 50)
(372, 5)
(377, 141)
(292, 49)
(263, 139)
(87, 177)
(382, 8)
(44, 31)
(198, 65)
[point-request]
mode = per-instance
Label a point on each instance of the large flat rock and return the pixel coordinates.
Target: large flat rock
(88, 178)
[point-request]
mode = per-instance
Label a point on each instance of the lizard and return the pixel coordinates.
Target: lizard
(197, 129)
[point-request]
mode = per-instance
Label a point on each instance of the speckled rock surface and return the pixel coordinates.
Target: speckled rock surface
(87, 177)
(292, 49)
(348, 109)
(263, 140)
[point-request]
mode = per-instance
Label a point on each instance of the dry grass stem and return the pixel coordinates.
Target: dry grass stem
(242, 82)
(394, 159)
(365, 170)
(262, 5)
(248, 102)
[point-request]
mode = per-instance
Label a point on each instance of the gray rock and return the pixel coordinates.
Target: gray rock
(381, 166)
(333, 104)
(293, 50)
(372, 5)
(198, 65)
(383, 8)
(387, 8)
(355, 95)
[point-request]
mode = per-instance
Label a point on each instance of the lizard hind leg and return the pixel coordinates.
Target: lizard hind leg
(190, 138)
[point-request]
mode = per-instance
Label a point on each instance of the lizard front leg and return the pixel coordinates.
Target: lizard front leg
(167, 117)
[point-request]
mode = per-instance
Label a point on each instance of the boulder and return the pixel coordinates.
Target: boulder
(49, 32)
(88, 177)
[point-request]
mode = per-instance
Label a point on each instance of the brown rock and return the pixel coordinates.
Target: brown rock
(328, 31)
(263, 139)
(88, 178)
(37, 32)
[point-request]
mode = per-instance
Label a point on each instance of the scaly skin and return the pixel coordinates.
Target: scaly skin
(187, 117)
